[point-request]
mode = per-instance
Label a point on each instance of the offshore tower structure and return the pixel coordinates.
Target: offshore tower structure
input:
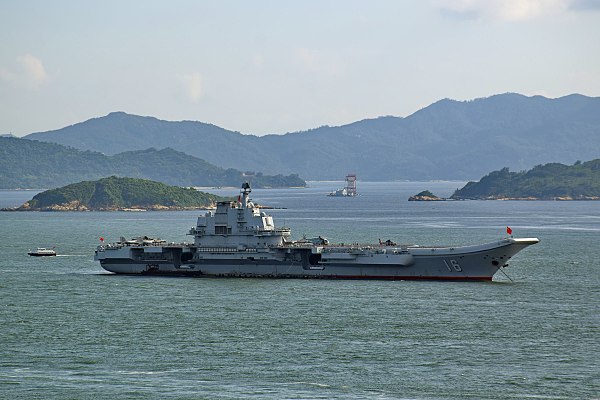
(347, 191)
(351, 185)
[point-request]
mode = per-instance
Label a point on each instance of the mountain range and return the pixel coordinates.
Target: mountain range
(447, 140)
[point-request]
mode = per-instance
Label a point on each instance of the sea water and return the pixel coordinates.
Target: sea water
(69, 330)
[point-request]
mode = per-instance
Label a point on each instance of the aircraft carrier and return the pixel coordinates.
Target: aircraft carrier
(239, 240)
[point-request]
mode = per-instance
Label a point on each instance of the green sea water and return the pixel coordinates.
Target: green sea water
(68, 330)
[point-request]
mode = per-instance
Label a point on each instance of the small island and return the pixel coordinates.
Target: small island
(554, 181)
(425, 195)
(119, 194)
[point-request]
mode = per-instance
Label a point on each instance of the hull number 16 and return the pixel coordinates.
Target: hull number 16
(453, 265)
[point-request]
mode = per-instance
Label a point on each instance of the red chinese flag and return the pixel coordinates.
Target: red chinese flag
(508, 230)
(102, 239)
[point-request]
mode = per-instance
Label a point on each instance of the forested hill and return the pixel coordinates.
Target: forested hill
(446, 140)
(580, 181)
(32, 164)
(115, 193)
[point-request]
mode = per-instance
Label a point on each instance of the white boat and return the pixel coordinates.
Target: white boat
(42, 252)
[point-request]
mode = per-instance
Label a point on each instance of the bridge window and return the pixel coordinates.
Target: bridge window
(220, 230)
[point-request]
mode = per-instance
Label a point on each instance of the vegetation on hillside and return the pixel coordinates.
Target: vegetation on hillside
(31, 164)
(425, 195)
(114, 193)
(549, 181)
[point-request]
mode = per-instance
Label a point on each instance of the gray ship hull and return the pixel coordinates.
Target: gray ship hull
(467, 263)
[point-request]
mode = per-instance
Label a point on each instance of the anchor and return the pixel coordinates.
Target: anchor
(504, 272)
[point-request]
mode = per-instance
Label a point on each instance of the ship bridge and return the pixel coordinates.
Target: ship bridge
(238, 223)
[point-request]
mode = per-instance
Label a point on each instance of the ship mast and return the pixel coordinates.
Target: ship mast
(245, 194)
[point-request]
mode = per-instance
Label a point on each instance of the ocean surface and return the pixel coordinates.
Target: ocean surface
(69, 330)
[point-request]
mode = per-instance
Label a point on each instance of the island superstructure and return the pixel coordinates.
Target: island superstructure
(239, 240)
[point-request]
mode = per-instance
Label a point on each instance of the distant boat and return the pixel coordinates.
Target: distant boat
(42, 252)
(349, 190)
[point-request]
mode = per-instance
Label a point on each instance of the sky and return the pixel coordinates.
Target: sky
(260, 67)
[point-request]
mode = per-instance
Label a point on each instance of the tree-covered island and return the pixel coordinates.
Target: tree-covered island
(580, 181)
(425, 195)
(114, 193)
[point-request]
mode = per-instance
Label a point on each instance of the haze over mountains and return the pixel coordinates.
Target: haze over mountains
(446, 140)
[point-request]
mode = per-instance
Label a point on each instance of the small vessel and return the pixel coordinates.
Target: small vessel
(349, 190)
(42, 252)
(240, 240)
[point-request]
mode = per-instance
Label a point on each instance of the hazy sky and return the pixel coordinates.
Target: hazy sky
(279, 66)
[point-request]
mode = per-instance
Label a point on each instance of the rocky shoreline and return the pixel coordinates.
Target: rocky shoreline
(77, 206)
(558, 198)
(428, 196)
